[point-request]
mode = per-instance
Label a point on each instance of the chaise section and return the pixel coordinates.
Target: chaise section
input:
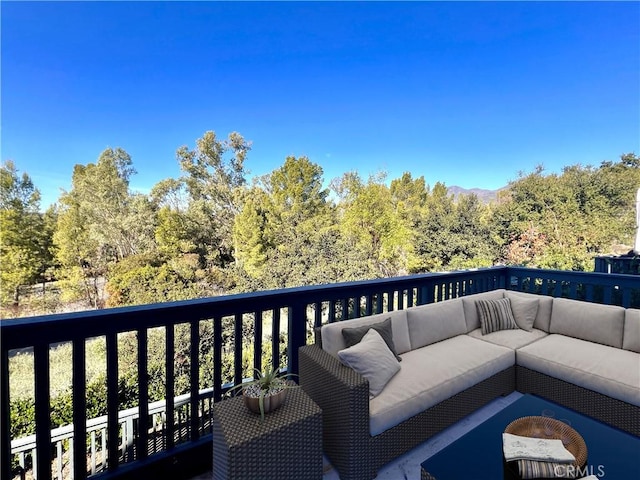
(609, 410)
(590, 362)
(611, 371)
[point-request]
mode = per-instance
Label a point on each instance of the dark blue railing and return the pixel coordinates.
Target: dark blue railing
(293, 312)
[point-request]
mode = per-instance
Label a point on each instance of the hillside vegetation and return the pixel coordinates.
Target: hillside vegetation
(210, 232)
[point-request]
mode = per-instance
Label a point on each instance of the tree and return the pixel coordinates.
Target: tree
(286, 233)
(213, 175)
(99, 224)
(563, 221)
(372, 225)
(23, 238)
(251, 236)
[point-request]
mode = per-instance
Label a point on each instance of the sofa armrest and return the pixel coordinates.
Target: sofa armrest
(343, 396)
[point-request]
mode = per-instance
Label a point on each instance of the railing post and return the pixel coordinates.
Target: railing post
(143, 395)
(113, 424)
(194, 400)
(169, 432)
(217, 358)
(275, 338)
(297, 336)
(5, 419)
(42, 466)
(79, 442)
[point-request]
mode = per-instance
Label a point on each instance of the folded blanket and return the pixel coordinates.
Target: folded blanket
(516, 447)
(533, 469)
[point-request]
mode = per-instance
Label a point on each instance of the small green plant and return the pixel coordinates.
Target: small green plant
(265, 384)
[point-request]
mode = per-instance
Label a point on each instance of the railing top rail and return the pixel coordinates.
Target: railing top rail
(18, 333)
(584, 277)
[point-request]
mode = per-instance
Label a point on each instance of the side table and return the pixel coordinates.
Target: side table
(287, 445)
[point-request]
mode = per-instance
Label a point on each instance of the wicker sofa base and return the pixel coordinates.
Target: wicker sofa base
(593, 404)
(343, 396)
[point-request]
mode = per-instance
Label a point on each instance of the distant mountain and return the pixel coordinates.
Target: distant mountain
(485, 196)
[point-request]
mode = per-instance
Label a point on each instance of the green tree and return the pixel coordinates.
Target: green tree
(214, 174)
(563, 221)
(251, 235)
(286, 233)
(373, 226)
(24, 253)
(99, 224)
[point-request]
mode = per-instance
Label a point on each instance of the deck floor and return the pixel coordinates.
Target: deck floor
(408, 465)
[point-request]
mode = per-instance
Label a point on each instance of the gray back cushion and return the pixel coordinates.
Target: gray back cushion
(435, 322)
(631, 338)
(588, 321)
(545, 306)
(333, 340)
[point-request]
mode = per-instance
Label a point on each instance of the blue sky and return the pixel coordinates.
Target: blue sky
(466, 93)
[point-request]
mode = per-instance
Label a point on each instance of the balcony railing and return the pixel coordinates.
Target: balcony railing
(292, 314)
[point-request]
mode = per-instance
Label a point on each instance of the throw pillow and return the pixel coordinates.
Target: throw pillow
(372, 359)
(354, 335)
(495, 315)
(524, 311)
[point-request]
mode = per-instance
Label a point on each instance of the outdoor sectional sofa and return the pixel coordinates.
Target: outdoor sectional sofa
(582, 355)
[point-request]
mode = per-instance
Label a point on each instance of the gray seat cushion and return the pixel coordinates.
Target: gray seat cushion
(434, 373)
(608, 370)
(510, 338)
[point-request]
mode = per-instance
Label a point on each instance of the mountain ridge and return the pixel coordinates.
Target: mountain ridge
(483, 194)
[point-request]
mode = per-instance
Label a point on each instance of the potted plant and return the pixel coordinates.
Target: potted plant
(266, 391)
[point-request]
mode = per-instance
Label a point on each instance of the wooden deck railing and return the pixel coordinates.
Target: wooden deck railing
(292, 314)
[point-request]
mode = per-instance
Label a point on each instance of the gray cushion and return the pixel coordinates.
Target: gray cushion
(631, 338)
(333, 341)
(435, 322)
(545, 305)
(524, 311)
(354, 335)
(611, 371)
(372, 359)
(510, 338)
(588, 321)
(495, 315)
(435, 373)
(469, 305)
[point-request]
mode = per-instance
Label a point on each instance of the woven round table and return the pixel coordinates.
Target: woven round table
(547, 428)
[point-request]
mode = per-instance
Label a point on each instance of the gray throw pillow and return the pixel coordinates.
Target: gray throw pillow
(372, 359)
(495, 315)
(353, 336)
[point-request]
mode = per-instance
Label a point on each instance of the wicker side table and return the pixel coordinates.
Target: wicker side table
(287, 445)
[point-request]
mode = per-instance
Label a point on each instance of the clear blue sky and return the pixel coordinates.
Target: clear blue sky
(467, 94)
